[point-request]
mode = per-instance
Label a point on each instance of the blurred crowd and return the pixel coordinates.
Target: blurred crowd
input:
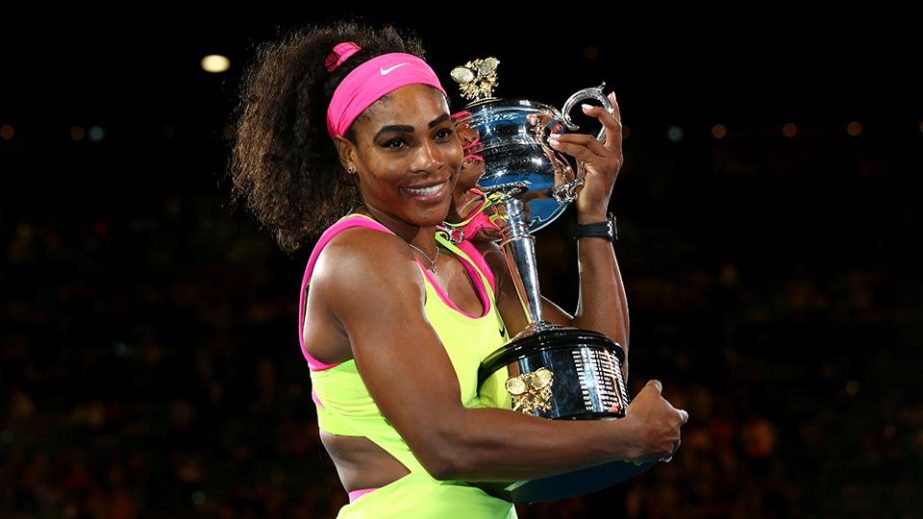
(149, 362)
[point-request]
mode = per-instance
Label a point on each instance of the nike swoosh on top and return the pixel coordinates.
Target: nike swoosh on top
(386, 71)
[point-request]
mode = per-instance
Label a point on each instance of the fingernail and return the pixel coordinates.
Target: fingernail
(586, 107)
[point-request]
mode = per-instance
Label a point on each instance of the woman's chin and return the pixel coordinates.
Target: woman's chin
(427, 215)
(434, 215)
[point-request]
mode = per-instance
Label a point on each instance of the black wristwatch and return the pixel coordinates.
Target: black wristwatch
(605, 229)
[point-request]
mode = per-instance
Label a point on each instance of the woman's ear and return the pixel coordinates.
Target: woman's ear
(346, 151)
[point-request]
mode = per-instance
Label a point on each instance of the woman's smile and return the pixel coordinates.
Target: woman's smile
(429, 192)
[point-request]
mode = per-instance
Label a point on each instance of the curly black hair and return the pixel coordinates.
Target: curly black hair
(283, 163)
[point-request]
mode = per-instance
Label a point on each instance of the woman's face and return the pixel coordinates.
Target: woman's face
(408, 155)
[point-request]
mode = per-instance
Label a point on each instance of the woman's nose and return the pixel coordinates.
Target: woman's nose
(428, 158)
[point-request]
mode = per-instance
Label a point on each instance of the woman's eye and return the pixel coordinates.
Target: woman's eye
(446, 132)
(390, 144)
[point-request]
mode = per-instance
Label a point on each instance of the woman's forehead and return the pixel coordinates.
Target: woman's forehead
(412, 105)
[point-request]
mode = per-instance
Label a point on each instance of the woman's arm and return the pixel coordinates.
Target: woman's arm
(374, 289)
(602, 305)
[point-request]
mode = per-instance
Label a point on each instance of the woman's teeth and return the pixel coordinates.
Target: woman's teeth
(425, 191)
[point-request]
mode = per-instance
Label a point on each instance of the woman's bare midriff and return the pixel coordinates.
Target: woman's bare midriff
(360, 463)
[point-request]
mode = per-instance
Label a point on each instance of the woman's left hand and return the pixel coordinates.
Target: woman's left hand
(602, 161)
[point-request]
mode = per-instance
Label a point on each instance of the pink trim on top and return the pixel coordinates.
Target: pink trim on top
(315, 397)
(356, 494)
(357, 220)
(468, 248)
(475, 278)
(337, 228)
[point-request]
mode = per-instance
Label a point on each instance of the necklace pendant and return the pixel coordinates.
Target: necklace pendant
(432, 262)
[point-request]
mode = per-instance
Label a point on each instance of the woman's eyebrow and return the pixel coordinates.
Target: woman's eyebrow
(405, 128)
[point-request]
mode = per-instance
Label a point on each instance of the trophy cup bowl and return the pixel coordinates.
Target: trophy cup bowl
(547, 370)
(512, 143)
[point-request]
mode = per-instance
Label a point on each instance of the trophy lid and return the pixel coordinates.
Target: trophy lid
(477, 79)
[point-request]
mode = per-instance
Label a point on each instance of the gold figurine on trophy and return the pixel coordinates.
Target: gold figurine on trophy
(477, 79)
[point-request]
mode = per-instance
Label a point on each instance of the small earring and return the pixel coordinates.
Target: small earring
(351, 170)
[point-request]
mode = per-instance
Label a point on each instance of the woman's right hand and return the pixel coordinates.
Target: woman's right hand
(656, 424)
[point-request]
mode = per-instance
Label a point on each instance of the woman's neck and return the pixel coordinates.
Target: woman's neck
(423, 237)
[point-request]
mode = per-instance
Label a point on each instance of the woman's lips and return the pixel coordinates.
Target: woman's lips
(429, 193)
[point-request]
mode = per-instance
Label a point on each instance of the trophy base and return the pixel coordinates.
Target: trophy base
(567, 485)
(559, 373)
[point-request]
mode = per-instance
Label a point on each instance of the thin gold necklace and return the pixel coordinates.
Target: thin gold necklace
(432, 262)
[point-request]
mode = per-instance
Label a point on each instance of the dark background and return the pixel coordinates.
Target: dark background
(149, 362)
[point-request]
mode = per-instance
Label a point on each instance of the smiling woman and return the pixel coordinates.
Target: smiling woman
(398, 317)
(407, 158)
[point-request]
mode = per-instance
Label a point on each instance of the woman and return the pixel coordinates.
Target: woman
(398, 318)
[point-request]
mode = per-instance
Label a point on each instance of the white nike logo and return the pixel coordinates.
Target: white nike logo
(386, 71)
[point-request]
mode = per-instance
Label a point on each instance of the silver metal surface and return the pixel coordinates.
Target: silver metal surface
(512, 140)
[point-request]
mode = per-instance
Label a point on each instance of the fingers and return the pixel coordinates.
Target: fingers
(675, 448)
(580, 146)
(656, 383)
(684, 416)
(616, 111)
(586, 148)
(611, 120)
(582, 140)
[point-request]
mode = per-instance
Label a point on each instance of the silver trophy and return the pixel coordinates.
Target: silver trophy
(546, 370)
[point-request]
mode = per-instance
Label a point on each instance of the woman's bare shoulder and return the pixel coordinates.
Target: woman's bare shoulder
(361, 259)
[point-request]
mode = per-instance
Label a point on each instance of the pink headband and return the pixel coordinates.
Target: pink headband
(341, 52)
(371, 81)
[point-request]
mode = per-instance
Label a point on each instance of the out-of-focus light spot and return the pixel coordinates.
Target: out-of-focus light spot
(591, 53)
(101, 228)
(6, 437)
(198, 497)
(852, 388)
(78, 133)
(215, 63)
(168, 131)
(97, 133)
(675, 133)
(24, 231)
(854, 128)
(789, 130)
(120, 349)
(7, 132)
(718, 131)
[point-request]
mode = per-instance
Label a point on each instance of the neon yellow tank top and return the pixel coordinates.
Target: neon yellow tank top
(344, 405)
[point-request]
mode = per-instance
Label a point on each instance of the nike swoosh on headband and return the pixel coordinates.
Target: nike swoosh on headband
(386, 71)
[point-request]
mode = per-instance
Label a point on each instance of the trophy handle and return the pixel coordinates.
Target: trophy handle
(568, 192)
